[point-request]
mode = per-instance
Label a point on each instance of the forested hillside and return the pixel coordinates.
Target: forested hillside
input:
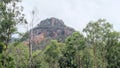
(97, 46)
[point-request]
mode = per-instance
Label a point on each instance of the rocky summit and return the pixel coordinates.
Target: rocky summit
(49, 29)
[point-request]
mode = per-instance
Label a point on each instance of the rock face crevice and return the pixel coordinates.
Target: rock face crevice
(50, 29)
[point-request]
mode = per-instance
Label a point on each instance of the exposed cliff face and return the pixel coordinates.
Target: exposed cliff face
(50, 29)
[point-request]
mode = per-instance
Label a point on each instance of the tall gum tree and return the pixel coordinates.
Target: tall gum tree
(97, 33)
(10, 16)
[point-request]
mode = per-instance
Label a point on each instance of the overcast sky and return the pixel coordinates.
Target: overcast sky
(75, 13)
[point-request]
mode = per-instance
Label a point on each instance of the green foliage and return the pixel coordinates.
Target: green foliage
(52, 53)
(1, 47)
(37, 59)
(113, 57)
(87, 58)
(97, 37)
(74, 44)
(113, 50)
(19, 54)
(10, 16)
(78, 52)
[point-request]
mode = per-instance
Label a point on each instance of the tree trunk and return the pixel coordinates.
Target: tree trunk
(94, 51)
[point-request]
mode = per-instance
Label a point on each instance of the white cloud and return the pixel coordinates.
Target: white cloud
(76, 13)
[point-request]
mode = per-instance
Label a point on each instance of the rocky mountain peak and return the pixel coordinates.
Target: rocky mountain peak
(51, 22)
(50, 29)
